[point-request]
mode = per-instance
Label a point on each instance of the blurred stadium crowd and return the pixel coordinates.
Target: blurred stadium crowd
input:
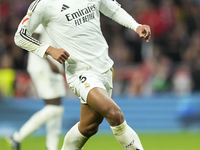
(170, 62)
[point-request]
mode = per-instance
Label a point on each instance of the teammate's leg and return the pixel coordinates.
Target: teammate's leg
(54, 126)
(53, 131)
(38, 119)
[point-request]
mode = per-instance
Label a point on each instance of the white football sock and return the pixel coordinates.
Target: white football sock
(37, 120)
(53, 130)
(74, 140)
(127, 137)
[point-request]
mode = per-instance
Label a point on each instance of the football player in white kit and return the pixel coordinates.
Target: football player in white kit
(47, 76)
(74, 28)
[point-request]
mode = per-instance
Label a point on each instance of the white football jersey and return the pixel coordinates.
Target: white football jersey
(73, 25)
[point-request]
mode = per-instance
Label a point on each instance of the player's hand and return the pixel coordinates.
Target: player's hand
(144, 31)
(58, 54)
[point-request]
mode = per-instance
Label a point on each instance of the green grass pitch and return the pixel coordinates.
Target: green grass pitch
(168, 141)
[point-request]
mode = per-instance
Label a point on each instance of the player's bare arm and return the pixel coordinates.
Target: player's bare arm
(58, 54)
(144, 31)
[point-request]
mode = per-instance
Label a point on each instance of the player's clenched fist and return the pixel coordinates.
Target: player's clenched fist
(144, 31)
(58, 54)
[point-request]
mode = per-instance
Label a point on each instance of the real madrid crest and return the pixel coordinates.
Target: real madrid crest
(87, 85)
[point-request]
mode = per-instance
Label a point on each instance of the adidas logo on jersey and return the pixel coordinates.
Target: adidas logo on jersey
(64, 7)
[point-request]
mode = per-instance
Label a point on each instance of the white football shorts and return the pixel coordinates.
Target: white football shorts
(86, 80)
(49, 85)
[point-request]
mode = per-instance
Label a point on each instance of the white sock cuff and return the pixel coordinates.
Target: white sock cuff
(78, 132)
(74, 140)
(119, 130)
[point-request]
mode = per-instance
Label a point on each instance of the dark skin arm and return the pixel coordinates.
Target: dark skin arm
(58, 54)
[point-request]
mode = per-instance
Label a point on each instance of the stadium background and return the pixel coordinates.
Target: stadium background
(157, 84)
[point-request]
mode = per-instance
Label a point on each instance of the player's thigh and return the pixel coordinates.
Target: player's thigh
(99, 100)
(99, 105)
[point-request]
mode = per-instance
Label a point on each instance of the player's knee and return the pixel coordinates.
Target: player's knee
(91, 130)
(115, 116)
